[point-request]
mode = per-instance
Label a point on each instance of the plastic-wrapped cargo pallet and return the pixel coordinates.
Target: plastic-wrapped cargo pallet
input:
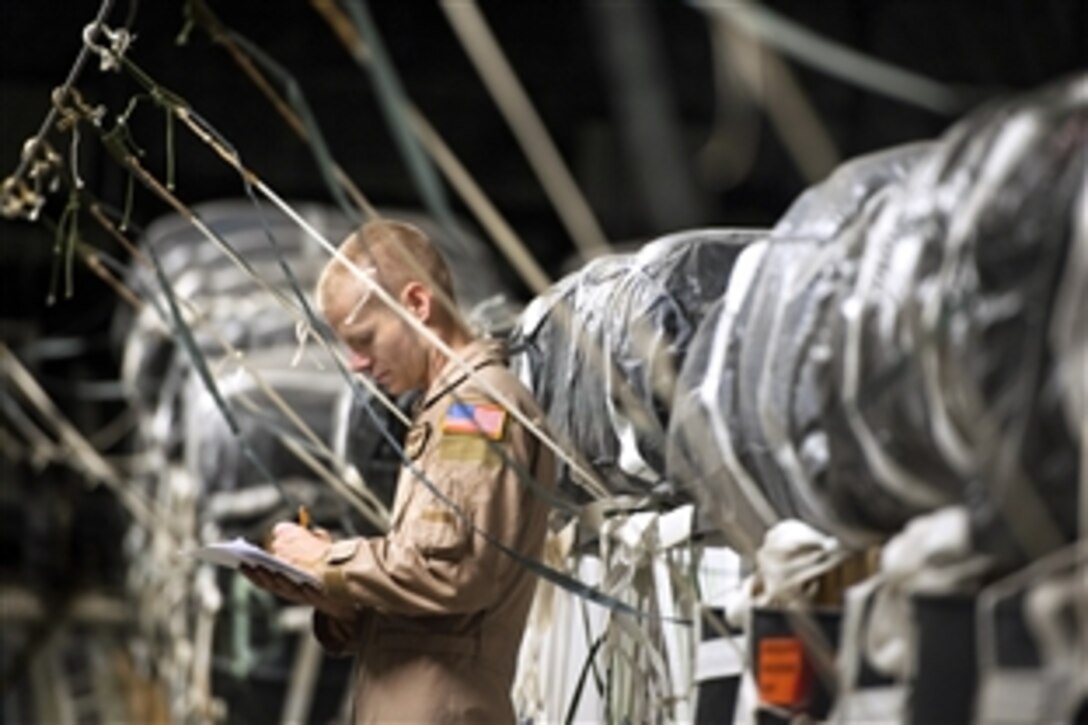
(894, 347)
(906, 351)
(889, 352)
(601, 350)
(718, 447)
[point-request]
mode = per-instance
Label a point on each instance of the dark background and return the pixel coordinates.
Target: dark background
(985, 48)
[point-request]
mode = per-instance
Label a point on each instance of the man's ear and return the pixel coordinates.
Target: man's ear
(416, 298)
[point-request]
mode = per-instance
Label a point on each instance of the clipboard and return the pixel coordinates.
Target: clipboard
(237, 552)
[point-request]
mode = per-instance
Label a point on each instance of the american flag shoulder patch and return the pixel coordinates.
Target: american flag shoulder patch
(479, 419)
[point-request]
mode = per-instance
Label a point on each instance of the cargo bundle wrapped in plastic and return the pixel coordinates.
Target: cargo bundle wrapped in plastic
(601, 350)
(902, 341)
(717, 445)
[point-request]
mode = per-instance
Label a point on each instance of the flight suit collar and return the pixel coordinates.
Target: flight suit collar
(476, 355)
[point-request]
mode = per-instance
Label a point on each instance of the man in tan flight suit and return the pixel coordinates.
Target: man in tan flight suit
(433, 610)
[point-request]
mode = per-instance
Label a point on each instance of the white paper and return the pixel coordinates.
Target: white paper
(238, 551)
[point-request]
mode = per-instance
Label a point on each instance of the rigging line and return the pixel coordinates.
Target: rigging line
(369, 506)
(309, 313)
(115, 430)
(128, 160)
(499, 78)
(396, 106)
(366, 493)
(114, 147)
(210, 136)
(94, 466)
(77, 67)
(546, 572)
(232, 156)
(342, 26)
(225, 150)
(307, 310)
(362, 499)
(837, 59)
(524, 476)
(91, 258)
(554, 500)
(42, 447)
(586, 478)
(588, 666)
(559, 578)
(445, 299)
(263, 85)
(392, 100)
(774, 86)
(594, 486)
(335, 176)
(628, 404)
(334, 353)
(505, 238)
(376, 512)
(295, 111)
(185, 335)
(94, 262)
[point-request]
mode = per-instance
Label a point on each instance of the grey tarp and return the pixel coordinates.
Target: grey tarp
(886, 353)
(601, 349)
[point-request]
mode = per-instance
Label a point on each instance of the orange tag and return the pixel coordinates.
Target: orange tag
(781, 671)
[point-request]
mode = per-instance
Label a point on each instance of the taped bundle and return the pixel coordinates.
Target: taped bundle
(601, 350)
(885, 352)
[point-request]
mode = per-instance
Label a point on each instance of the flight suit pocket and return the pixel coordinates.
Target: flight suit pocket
(440, 531)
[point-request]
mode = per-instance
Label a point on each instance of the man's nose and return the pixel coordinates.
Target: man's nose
(358, 363)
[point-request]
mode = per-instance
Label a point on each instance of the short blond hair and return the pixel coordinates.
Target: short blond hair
(396, 252)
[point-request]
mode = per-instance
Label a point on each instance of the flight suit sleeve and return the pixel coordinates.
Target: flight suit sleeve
(338, 637)
(437, 562)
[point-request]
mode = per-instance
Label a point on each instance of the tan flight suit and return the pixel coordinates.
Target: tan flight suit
(440, 610)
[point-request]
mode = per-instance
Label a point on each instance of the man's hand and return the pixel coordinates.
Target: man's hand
(304, 549)
(299, 546)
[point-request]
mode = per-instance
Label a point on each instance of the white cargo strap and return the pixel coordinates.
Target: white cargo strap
(933, 554)
(528, 693)
(1051, 587)
(886, 703)
(744, 274)
(644, 558)
(738, 603)
(792, 555)
(1013, 696)
(855, 704)
(1071, 346)
(647, 542)
(718, 581)
(716, 659)
(674, 532)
